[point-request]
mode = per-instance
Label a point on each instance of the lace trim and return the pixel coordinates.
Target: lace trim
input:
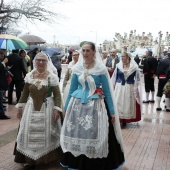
(18, 105)
(37, 157)
(53, 79)
(57, 108)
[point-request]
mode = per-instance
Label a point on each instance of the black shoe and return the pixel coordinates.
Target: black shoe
(158, 109)
(27, 167)
(4, 107)
(123, 125)
(5, 117)
(167, 110)
(152, 101)
(146, 101)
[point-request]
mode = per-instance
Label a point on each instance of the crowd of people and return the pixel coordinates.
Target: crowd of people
(78, 127)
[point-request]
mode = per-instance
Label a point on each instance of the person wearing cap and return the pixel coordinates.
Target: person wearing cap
(149, 70)
(3, 83)
(161, 74)
(111, 61)
(16, 64)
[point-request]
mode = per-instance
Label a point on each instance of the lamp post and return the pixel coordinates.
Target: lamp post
(100, 48)
(159, 43)
(96, 37)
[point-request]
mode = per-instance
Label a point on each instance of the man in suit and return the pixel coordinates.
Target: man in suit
(137, 59)
(163, 78)
(149, 71)
(18, 70)
(111, 61)
(3, 83)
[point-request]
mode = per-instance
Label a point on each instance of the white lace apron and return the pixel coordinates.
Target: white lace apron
(38, 133)
(126, 108)
(85, 129)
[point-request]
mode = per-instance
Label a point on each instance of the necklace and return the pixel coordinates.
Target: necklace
(41, 73)
(87, 66)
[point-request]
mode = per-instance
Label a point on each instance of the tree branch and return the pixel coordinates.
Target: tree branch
(32, 10)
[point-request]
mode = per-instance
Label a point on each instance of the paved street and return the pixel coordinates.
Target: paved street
(147, 143)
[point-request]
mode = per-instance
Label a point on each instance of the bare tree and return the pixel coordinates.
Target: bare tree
(32, 10)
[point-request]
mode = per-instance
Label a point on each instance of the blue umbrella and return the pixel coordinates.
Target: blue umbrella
(10, 42)
(51, 51)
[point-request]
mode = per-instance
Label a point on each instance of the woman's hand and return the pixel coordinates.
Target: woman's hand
(112, 118)
(64, 113)
(19, 114)
(56, 115)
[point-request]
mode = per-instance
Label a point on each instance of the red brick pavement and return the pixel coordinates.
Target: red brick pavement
(147, 143)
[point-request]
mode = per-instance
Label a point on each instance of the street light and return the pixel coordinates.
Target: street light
(100, 48)
(159, 43)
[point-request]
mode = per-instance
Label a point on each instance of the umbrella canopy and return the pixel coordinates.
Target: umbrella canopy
(74, 47)
(51, 51)
(41, 47)
(32, 39)
(10, 42)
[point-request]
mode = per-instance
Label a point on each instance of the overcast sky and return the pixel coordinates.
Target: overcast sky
(97, 20)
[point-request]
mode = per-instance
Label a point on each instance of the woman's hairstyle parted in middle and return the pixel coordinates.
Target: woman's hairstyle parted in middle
(91, 44)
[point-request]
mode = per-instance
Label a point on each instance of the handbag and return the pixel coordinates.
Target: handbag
(9, 77)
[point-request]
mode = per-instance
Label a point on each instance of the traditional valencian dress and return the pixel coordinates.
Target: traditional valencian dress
(127, 90)
(38, 139)
(67, 81)
(88, 138)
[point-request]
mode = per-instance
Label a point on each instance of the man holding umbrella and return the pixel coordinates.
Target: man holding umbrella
(18, 70)
(3, 83)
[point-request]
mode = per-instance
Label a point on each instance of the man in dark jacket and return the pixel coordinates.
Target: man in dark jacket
(18, 70)
(149, 71)
(69, 58)
(161, 73)
(137, 59)
(3, 83)
(56, 60)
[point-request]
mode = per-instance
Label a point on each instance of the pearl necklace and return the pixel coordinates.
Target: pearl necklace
(41, 73)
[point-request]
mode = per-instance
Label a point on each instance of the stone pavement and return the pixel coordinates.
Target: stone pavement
(147, 143)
